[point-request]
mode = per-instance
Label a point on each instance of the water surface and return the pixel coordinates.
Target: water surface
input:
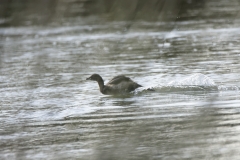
(49, 110)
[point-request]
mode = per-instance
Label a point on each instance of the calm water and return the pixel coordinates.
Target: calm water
(49, 110)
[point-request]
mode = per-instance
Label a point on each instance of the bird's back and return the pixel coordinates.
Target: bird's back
(121, 84)
(119, 79)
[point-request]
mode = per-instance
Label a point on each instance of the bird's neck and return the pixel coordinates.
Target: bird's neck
(101, 85)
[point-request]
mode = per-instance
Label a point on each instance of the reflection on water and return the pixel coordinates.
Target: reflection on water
(49, 110)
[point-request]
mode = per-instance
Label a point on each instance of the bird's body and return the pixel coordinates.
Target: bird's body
(117, 85)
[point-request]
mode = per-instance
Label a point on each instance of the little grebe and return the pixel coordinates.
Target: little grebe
(118, 85)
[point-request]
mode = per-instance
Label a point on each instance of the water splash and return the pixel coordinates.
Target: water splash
(197, 79)
(195, 82)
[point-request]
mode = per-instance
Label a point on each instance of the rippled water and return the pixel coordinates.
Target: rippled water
(49, 110)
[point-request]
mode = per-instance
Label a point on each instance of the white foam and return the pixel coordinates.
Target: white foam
(197, 79)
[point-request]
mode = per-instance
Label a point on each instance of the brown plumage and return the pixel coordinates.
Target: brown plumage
(118, 85)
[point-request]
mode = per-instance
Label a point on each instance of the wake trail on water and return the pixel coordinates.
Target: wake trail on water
(195, 82)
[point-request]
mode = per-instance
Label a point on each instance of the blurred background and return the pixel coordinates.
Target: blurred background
(186, 50)
(60, 12)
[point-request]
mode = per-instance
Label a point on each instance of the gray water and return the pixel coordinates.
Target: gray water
(49, 110)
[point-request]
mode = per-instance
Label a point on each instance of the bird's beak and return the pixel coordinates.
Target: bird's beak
(89, 78)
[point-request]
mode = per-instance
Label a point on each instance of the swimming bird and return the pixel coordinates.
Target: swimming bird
(118, 85)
